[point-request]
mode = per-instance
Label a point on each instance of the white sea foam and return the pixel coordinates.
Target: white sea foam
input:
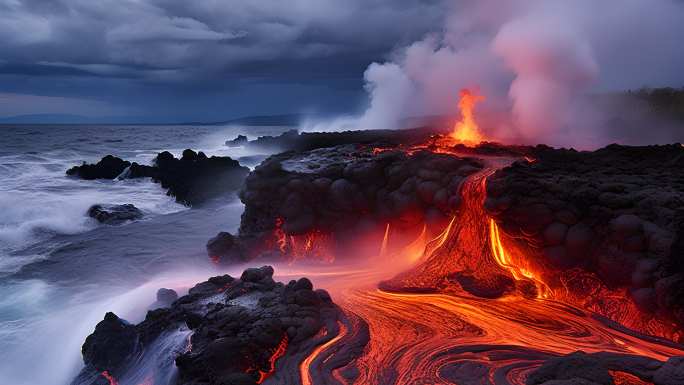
(38, 200)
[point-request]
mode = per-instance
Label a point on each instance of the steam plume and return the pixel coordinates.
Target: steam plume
(533, 59)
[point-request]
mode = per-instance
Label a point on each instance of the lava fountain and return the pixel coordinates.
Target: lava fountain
(466, 131)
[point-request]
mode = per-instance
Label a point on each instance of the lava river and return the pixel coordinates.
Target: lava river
(434, 332)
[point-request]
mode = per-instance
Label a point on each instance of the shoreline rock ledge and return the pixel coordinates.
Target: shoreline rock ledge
(226, 331)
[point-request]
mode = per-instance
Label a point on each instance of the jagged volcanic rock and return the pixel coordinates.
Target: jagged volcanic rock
(192, 179)
(165, 297)
(195, 178)
(346, 192)
(115, 214)
(108, 168)
(617, 213)
(225, 331)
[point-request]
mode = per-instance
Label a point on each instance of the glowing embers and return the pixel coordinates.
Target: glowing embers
(519, 273)
(466, 131)
(316, 246)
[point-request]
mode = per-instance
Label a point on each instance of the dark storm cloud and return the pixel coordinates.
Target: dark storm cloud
(155, 50)
(216, 35)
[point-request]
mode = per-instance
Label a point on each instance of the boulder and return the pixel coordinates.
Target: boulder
(114, 215)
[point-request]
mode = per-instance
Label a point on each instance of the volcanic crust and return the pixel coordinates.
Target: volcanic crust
(225, 331)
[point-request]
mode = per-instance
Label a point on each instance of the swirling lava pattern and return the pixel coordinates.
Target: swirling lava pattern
(446, 339)
(446, 336)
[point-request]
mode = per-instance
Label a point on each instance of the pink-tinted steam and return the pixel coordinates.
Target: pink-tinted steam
(553, 64)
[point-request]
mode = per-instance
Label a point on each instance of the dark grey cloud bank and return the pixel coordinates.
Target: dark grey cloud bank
(223, 59)
(204, 60)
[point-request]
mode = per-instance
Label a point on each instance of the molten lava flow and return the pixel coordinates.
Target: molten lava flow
(314, 246)
(466, 131)
(519, 273)
(304, 367)
(462, 257)
(383, 249)
(425, 338)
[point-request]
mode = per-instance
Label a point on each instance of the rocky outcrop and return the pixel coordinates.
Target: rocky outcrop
(195, 178)
(165, 297)
(346, 192)
(109, 167)
(616, 213)
(192, 179)
(580, 368)
(225, 331)
(114, 215)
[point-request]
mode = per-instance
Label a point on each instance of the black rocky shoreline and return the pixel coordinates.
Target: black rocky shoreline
(240, 331)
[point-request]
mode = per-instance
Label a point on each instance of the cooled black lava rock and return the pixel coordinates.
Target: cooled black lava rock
(115, 214)
(238, 327)
(195, 178)
(594, 369)
(192, 179)
(223, 247)
(165, 297)
(241, 140)
(344, 192)
(307, 141)
(108, 168)
(616, 213)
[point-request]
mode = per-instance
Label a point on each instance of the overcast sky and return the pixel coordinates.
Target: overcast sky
(203, 60)
(211, 60)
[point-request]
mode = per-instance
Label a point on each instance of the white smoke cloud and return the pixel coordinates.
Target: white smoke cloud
(553, 64)
(533, 58)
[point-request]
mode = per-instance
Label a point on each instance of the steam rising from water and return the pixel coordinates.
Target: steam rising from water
(532, 58)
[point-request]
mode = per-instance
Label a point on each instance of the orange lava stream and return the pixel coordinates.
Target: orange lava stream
(413, 336)
(518, 272)
(466, 131)
(305, 365)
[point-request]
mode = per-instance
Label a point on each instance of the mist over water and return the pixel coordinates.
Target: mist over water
(61, 271)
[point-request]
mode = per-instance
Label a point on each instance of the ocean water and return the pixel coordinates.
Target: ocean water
(61, 271)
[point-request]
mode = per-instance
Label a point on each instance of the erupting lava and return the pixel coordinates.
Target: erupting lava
(466, 131)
